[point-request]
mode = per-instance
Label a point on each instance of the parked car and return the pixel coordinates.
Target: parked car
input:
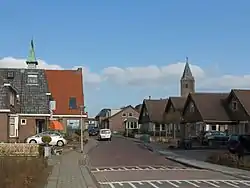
(93, 131)
(212, 137)
(57, 138)
(239, 143)
(105, 134)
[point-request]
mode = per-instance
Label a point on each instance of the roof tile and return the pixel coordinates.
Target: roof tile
(64, 84)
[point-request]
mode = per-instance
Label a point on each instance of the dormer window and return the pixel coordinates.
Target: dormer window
(234, 105)
(10, 75)
(12, 99)
(191, 107)
(32, 79)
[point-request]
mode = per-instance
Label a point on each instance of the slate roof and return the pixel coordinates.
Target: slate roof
(178, 102)
(64, 84)
(211, 106)
(33, 98)
(156, 109)
(138, 107)
(244, 98)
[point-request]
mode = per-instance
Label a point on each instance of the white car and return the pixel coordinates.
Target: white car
(57, 139)
(105, 134)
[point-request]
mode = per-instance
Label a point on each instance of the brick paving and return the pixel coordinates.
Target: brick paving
(69, 170)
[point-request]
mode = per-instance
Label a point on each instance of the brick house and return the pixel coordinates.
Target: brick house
(151, 116)
(26, 94)
(127, 117)
(66, 88)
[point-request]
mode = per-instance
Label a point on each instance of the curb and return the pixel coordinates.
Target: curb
(174, 158)
(93, 178)
(244, 177)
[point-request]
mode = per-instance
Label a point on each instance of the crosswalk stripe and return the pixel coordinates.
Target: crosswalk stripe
(178, 183)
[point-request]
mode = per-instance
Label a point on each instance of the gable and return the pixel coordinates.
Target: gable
(143, 113)
(237, 105)
(72, 88)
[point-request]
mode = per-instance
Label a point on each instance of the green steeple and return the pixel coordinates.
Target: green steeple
(32, 57)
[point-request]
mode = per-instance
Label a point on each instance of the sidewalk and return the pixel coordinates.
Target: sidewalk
(162, 150)
(70, 171)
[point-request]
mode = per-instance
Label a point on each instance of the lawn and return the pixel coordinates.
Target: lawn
(23, 172)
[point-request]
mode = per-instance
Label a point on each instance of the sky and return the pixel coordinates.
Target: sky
(132, 49)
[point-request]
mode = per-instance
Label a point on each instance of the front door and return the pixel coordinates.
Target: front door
(40, 125)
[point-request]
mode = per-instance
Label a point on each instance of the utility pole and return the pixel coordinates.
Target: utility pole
(82, 109)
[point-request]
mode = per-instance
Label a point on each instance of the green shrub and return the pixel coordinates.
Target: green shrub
(46, 139)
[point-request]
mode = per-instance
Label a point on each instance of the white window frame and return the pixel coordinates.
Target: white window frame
(13, 126)
(32, 76)
(12, 99)
(25, 121)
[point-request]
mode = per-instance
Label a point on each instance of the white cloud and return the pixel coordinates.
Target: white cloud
(10, 62)
(147, 76)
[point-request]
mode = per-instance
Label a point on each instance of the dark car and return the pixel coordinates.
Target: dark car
(212, 137)
(239, 143)
(93, 131)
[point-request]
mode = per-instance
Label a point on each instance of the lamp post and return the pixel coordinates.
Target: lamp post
(82, 123)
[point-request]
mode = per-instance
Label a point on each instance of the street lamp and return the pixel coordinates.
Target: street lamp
(82, 108)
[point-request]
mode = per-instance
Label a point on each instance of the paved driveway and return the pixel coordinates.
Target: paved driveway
(124, 163)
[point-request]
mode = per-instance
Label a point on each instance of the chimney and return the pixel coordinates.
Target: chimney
(149, 97)
(79, 69)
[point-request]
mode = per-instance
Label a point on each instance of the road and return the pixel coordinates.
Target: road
(122, 163)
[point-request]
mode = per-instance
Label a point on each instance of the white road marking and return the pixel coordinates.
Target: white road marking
(228, 183)
(111, 185)
(191, 183)
(153, 185)
(132, 185)
(137, 168)
(169, 182)
(245, 184)
(173, 183)
(210, 183)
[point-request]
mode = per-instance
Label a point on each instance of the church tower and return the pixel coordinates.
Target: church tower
(31, 60)
(187, 81)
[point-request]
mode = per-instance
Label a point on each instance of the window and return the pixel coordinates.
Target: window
(72, 103)
(13, 126)
(186, 85)
(23, 121)
(10, 75)
(234, 105)
(12, 99)
(124, 115)
(191, 107)
(32, 79)
(130, 114)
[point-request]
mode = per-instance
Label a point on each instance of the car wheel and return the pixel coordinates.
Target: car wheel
(60, 143)
(33, 142)
(210, 143)
(110, 139)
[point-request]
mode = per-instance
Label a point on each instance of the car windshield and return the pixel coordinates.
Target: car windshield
(105, 131)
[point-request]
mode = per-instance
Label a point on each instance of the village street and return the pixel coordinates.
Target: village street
(125, 163)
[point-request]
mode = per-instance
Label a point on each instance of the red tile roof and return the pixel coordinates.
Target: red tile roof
(64, 84)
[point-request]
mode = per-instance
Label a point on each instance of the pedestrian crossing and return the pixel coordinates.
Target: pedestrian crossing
(178, 184)
(142, 168)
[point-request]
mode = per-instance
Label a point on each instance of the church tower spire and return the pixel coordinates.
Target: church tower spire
(187, 81)
(31, 60)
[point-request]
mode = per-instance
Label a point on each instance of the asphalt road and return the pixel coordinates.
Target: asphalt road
(124, 163)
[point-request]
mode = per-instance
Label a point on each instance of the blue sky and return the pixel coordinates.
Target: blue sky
(133, 48)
